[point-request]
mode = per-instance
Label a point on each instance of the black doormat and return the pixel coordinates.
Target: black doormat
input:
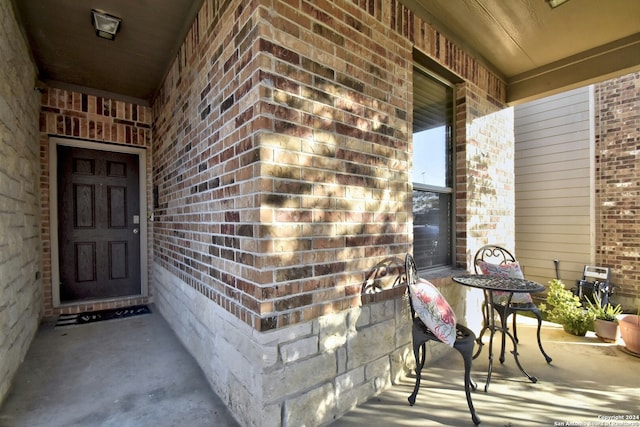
(97, 316)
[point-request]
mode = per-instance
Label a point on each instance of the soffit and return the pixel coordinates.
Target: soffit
(68, 53)
(536, 50)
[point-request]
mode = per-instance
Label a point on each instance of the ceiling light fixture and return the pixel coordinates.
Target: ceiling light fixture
(556, 3)
(106, 25)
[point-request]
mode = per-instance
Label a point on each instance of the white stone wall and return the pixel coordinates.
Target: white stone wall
(304, 375)
(20, 259)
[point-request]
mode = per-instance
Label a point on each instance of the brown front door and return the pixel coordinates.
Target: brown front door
(98, 224)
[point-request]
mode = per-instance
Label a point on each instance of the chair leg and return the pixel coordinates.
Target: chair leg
(469, 384)
(546, 356)
(515, 331)
(485, 322)
(420, 354)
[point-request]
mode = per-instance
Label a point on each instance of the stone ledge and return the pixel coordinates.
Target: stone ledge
(441, 273)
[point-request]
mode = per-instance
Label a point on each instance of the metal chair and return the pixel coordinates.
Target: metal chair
(500, 256)
(464, 343)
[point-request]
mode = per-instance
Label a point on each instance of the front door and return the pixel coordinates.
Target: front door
(98, 224)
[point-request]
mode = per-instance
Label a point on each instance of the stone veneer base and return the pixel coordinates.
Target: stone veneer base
(307, 374)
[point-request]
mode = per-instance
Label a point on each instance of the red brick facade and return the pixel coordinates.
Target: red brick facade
(280, 146)
(617, 133)
(281, 152)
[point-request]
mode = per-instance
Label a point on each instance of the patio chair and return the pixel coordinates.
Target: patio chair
(459, 337)
(492, 259)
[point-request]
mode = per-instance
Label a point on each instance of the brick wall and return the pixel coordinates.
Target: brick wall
(617, 138)
(281, 148)
(485, 209)
(283, 176)
(75, 115)
(282, 139)
(20, 260)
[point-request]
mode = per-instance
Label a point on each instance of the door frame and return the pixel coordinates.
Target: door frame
(141, 153)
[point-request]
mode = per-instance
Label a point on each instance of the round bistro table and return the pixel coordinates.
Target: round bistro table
(488, 284)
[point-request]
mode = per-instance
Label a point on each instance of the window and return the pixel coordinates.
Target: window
(432, 172)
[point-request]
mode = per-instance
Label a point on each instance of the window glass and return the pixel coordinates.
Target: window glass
(430, 153)
(431, 228)
(432, 174)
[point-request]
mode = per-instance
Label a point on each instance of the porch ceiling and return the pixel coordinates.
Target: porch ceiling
(536, 49)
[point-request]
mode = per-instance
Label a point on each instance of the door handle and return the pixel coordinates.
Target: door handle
(136, 231)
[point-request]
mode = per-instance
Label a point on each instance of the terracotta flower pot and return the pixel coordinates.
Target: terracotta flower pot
(606, 330)
(630, 331)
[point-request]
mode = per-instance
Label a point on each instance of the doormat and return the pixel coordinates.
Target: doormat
(97, 316)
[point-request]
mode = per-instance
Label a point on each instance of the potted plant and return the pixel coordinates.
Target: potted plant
(565, 308)
(605, 319)
(630, 331)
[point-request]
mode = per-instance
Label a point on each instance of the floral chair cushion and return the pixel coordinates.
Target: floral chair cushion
(434, 311)
(510, 269)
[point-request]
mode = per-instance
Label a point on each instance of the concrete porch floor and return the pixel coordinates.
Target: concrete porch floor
(135, 372)
(586, 380)
(125, 372)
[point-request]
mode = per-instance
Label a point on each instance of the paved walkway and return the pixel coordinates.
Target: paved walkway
(586, 382)
(126, 372)
(135, 372)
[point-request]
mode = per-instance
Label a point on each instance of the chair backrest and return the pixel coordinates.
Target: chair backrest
(386, 274)
(411, 272)
(492, 254)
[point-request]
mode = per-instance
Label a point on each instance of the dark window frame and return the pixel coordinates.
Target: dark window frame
(433, 225)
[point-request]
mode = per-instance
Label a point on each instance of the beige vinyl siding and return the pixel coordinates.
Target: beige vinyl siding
(554, 185)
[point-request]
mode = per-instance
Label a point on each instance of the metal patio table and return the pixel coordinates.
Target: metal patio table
(488, 284)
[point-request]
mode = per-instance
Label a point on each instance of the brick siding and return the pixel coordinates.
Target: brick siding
(279, 181)
(281, 149)
(617, 138)
(20, 260)
(281, 155)
(485, 204)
